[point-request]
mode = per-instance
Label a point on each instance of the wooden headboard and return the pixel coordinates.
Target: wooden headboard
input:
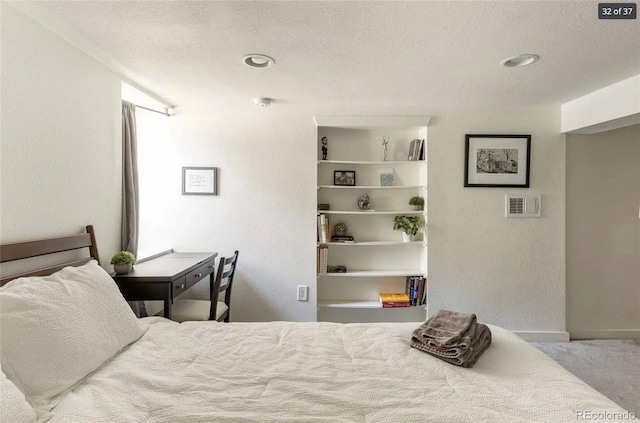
(41, 247)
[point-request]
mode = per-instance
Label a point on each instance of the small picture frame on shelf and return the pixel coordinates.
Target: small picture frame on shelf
(386, 177)
(344, 178)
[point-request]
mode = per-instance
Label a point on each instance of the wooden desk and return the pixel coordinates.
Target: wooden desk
(166, 277)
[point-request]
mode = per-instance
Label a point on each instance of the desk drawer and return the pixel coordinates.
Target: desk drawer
(179, 286)
(199, 273)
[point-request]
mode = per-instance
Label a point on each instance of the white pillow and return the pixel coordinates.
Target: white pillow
(57, 329)
(13, 407)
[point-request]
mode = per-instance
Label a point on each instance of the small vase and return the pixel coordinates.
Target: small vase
(406, 237)
(121, 269)
(417, 207)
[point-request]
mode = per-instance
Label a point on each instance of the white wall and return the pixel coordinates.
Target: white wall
(603, 234)
(510, 272)
(60, 131)
(266, 183)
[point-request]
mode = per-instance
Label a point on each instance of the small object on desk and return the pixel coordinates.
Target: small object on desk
(123, 262)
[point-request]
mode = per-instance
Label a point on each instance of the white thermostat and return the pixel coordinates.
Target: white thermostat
(522, 206)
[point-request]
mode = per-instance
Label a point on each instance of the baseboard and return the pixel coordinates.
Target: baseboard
(606, 334)
(543, 336)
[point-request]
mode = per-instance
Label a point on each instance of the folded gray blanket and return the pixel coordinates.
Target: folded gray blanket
(453, 337)
(465, 357)
(448, 329)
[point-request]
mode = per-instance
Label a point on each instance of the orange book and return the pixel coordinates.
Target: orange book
(394, 298)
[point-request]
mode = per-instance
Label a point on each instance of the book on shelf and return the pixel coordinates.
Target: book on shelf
(396, 299)
(416, 290)
(322, 229)
(337, 269)
(416, 150)
(322, 256)
(324, 206)
(343, 239)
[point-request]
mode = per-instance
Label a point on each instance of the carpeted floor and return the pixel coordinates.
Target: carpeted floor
(612, 367)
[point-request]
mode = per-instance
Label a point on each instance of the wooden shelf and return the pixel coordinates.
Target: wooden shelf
(374, 273)
(361, 304)
(375, 243)
(420, 187)
(361, 162)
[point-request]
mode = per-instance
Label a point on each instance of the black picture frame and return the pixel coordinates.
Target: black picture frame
(345, 178)
(199, 180)
(496, 161)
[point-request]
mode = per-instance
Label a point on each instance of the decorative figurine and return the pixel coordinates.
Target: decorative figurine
(385, 141)
(363, 203)
(325, 149)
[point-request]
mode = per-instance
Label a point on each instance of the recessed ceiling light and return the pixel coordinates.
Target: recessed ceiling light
(519, 60)
(258, 61)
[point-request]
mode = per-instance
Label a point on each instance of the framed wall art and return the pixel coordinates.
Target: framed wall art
(199, 181)
(497, 161)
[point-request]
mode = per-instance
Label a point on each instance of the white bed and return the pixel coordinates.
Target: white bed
(312, 372)
(76, 352)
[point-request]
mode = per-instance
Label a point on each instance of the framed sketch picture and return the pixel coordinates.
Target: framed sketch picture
(497, 161)
(199, 181)
(344, 177)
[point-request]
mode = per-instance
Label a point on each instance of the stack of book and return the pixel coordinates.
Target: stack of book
(346, 239)
(394, 300)
(322, 257)
(416, 290)
(324, 206)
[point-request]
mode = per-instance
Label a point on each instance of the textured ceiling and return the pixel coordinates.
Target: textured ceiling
(354, 53)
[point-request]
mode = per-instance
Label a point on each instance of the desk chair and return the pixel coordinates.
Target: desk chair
(199, 310)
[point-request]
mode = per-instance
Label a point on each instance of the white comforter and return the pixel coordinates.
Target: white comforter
(320, 372)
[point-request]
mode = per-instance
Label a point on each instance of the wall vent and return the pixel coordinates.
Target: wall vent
(522, 206)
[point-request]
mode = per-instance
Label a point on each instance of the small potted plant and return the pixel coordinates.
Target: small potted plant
(417, 203)
(123, 262)
(340, 229)
(408, 224)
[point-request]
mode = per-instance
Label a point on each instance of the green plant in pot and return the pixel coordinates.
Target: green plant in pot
(408, 224)
(340, 229)
(123, 262)
(417, 203)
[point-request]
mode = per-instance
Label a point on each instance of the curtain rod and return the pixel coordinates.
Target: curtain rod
(166, 110)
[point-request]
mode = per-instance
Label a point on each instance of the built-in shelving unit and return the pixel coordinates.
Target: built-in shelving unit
(378, 260)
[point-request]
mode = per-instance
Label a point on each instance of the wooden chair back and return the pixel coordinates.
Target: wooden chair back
(223, 283)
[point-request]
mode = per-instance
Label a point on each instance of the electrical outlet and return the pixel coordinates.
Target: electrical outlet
(303, 293)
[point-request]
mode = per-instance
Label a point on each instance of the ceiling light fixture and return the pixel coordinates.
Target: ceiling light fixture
(262, 101)
(258, 61)
(519, 60)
